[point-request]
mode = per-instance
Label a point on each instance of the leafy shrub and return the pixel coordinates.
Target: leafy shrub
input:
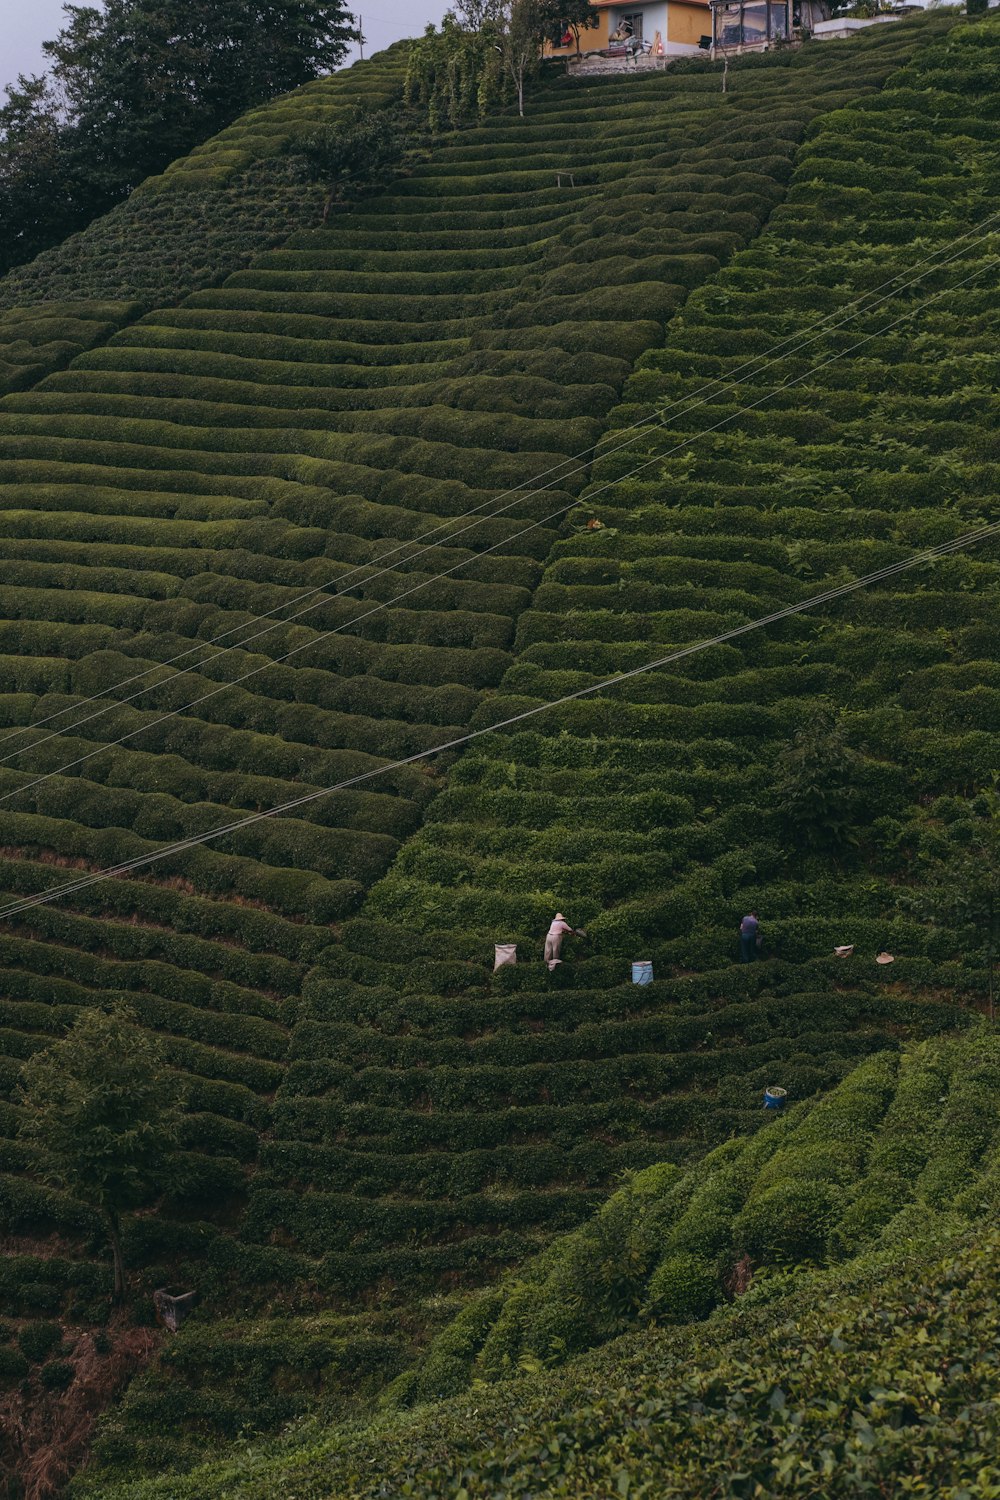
(13, 1367)
(57, 1374)
(787, 1224)
(682, 1287)
(36, 1340)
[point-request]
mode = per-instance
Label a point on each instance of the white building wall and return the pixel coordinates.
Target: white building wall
(654, 19)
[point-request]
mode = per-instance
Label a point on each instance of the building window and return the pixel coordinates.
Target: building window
(633, 18)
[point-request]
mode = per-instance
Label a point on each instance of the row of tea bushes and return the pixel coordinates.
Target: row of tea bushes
(902, 1139)
(207, 1383)
(655, 815)
(819, 1372)
(242, 195)
(437, 1137)
(181, 437)
(149, 251)
(40, 338)
(434, 1129)
(264, 132)
(873, 1371)
(175, 442)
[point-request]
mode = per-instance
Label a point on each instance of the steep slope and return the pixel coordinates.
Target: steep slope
(904, 1140)
(816, 1395)
(209, 214)
(852, 1347)
(653, 811)
(277, 434)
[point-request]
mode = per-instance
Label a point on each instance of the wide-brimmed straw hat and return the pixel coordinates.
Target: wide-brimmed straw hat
(885, 958)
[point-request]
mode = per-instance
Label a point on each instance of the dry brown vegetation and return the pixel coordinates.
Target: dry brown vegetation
(45, 1434)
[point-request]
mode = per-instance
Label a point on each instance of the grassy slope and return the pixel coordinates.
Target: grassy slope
(207, 215)
(799, 1398)
(862, 1358)
(446, 1156)
(650, 811)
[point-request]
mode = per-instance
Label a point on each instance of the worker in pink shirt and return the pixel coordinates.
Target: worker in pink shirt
(553, 941)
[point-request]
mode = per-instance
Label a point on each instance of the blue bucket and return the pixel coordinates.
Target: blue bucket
(774, 1097)
(642, 971)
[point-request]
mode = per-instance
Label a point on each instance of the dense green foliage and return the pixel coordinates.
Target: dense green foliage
(352, 156)
(133, 85)
(453, 73)
(845, 1354)
(374, 1126)
(101, 1112)
(657, 814)
(241, 193)
(899, 1141)
(872, 1380)
(483, 52)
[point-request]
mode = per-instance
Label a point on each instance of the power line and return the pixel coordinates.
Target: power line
(525, 490)
(326, 635)
(181, 846)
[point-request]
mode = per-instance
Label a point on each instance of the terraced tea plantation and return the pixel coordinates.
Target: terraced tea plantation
(811, 1381)
(901, 1141)
(848, 421)
(328, 514)
(207, 215)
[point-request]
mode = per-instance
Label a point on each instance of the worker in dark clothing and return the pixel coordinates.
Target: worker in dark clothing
(749, 937)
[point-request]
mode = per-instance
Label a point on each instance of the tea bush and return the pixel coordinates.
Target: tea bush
(333, 411)
(788, 1391)
(666, 1247)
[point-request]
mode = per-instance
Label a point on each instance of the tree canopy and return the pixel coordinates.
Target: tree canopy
(102, 1109)
(356, 153)
(483, 48)
(136, 84)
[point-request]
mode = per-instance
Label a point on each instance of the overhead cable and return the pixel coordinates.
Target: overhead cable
(543, 521)
(341, 584)
(181, 846)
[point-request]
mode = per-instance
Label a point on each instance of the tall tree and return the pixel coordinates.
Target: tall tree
(475, 14)
(40, 195)
(522, 43)
(559, 16)
(358, 152)
(139, 82)
(483, 44)
(103, 1110)
(456, 72)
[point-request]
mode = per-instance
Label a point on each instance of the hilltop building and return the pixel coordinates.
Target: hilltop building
(678, 28)
(671, 28)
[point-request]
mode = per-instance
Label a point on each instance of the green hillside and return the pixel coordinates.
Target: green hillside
(209, 214)
(285, 504)
(854, 1355)
(783, 1398)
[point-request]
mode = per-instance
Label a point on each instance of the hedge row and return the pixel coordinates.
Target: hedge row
(800, 1192)
(674, 572)
(202, 455)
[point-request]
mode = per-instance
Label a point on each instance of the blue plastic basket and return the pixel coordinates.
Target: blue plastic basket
(642, 971)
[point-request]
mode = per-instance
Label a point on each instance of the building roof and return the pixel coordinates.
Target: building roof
(641, 4)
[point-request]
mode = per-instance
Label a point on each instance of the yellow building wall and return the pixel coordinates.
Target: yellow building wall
(591, 39)
(687, 24)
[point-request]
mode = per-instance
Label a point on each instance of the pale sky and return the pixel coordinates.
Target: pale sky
(26, 24)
